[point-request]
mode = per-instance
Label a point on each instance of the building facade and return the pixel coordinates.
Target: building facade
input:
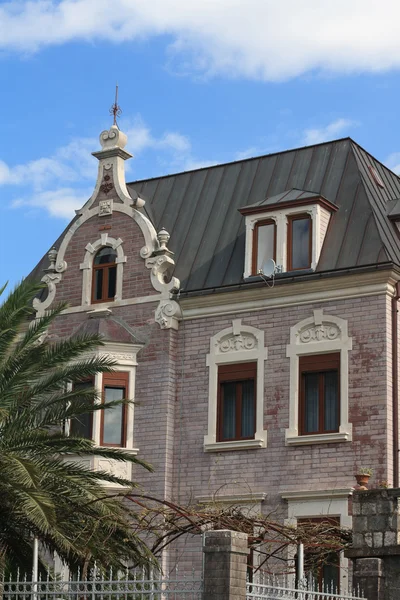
(252, 311)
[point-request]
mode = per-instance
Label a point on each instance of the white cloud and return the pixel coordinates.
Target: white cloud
(329, 132)
(60, 202)
(393, 162)
(64, 181)
(262, 39)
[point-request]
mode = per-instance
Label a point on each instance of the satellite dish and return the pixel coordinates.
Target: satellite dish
(268, 268)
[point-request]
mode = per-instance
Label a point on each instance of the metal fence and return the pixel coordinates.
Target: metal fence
(272, 591)
(140, 586)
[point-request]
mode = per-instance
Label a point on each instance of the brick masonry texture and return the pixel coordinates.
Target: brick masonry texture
(136, 281)
(172, 389)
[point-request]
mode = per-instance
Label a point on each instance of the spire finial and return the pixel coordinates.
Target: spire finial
(116, 109)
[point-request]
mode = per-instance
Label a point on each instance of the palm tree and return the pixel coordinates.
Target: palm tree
(42, 493)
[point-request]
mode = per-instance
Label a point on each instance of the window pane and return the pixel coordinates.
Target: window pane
(330, 575)
(105, 255)
(301, 231)
(113, 417)
(247, 408)
(98, 284)
(311, 409)
(81, 426)
(228, 391)
(112, 278)
(265, 247)
(331, 407)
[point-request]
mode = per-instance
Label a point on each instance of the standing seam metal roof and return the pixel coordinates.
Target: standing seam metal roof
(199, 209)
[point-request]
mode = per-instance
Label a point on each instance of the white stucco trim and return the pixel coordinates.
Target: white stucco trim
(280, 217)
(319, 334)
(236, 344)
(87, 266)
(125, 356)
(317, 503)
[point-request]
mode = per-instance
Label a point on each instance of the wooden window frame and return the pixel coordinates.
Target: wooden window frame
(91, 381)
(317, 363)
(118, 379)
(255, 243)
(235, 372)
(104, 288)
(291, 219)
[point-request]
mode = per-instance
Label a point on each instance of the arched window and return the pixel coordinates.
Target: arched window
(104, 275)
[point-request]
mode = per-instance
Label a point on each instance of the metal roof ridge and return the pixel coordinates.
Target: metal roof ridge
(243, 160)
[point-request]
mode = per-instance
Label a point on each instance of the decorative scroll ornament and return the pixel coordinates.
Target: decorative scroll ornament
(319, 333)
(52, 277)
(168, 314)
(234, 343)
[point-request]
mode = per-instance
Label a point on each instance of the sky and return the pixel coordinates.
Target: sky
(200, 82)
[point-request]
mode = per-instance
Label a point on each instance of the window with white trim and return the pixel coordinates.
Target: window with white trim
(236, 389)
(318, 505)
(102, 270)
(319, 381)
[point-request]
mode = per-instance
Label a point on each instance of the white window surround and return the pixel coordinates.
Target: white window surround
(318, 503)
(319, 334)
(319, 217)
(87, 266)
(236, 344)
(125, 355)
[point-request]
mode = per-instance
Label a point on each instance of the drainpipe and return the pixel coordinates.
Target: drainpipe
(395, 385)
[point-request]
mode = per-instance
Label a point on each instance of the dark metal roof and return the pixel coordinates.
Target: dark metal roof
(286, 196)
(200, 209)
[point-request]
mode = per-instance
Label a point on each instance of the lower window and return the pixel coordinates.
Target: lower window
(319, 393)
(82, 426)
(236, 401)
(321, 567)
(113, 420)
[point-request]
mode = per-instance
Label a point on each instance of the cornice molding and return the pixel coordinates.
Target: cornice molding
(293, 294)
(234, 498)
(317, 494)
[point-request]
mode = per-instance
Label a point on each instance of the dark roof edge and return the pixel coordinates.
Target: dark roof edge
(263, 208)
(373, 157)
(285, 278)
(243, 160)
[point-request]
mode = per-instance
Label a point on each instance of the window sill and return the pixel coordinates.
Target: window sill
(235, 445)
(318, 438)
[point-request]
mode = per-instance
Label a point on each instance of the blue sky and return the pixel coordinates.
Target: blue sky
(200, 82)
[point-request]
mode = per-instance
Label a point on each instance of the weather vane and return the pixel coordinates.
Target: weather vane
(116, 109)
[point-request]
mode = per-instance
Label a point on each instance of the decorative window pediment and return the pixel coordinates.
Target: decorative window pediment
(288, 228)
(324, 341)
(236, 389)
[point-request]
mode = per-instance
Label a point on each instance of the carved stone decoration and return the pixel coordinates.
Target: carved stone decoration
(168, 314)
(234, 343)
(51, 279)
(319, 333)
(105, 208)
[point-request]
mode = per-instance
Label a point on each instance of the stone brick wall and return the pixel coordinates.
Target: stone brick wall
(376, 543)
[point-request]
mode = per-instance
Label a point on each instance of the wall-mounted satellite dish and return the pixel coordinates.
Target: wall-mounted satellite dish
(268, 268)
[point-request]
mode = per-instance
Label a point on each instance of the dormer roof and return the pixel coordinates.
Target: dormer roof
(288, 198)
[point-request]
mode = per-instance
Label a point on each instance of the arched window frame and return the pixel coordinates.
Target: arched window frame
(319, 334)
(87, 267)
(236, 344)
(105, 268)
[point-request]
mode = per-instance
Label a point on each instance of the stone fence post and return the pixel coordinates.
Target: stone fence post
(225, 565)
(376, 543)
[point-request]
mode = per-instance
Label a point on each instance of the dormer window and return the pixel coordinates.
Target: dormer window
(264, 244)
(299, 242)
(104, 275)
(287, 229)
